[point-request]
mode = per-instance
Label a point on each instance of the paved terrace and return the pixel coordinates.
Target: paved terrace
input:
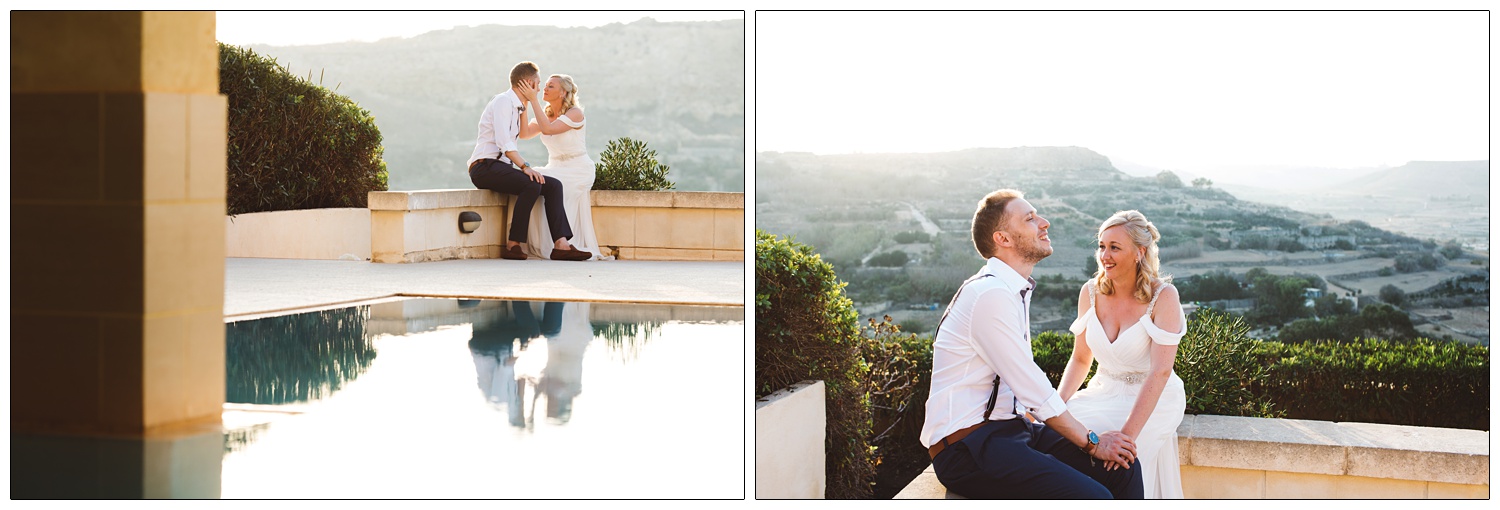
(260, 286)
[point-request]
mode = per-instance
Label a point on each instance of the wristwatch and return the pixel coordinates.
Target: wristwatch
(1093, 439)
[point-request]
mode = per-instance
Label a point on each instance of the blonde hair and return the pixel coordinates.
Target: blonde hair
(1148, 269)
(989, 217)
(569, 95)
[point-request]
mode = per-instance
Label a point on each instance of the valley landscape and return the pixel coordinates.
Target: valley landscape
(1354, 241)
(679, 86)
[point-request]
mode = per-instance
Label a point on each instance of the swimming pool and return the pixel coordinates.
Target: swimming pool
(441, 398)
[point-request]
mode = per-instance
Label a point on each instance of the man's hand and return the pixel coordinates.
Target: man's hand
(536, 176)
(1116, 450)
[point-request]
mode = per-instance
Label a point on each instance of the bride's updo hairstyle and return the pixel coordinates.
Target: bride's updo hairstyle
(569, 95)
(1148, 270)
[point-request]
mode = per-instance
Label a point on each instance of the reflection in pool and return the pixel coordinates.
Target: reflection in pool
(428, 398)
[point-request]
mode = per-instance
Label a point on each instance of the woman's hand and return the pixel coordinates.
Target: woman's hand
(1115, 447)
(527, 90)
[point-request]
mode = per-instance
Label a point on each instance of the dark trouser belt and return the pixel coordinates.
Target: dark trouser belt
(955, 437)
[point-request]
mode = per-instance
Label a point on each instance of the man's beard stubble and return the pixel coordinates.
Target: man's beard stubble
(1032, 251)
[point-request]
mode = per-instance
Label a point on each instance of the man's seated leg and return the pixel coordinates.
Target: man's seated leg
(1122, 483)
(557, 222)
(998, 461)
(504, 178)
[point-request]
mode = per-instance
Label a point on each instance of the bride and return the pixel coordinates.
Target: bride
(1127, 315)
(561, 127)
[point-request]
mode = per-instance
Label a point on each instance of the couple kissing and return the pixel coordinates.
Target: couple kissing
(995, 426)
(565, 229)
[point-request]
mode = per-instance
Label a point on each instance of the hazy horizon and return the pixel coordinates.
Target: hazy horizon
(1172, 90)
(301, 28)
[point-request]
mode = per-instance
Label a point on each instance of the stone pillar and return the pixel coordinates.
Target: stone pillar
(118, 139)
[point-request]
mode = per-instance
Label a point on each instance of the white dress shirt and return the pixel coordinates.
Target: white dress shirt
(499, 128)
(987, 333)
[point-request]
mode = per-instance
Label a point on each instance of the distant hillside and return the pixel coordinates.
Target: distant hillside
(1422, 179)
(679, 86)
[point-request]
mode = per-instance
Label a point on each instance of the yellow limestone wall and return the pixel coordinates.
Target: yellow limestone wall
(118, 182)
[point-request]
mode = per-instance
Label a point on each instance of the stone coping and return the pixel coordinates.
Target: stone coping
(419, 200)
(1336, 448)
(1398, 452)
(785, 392)
(427, 199)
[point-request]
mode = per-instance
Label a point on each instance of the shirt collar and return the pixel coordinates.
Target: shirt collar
(1008, 275)
(511, 95)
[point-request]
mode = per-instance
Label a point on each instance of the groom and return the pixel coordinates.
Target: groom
(984, 382)
(496, 165)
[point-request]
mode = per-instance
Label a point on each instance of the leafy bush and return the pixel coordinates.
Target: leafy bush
(1211, 286)
(1376, 320)
(898, 384)
(294, 144)
(896, 258)
(1392, 294)
(628, 164)
(1413, 262)
(1218, 367)
(1167, 179)
(805, 328)
(1452, 250)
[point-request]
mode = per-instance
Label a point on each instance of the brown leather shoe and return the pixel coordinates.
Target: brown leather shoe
(513, 253)
(571, 254)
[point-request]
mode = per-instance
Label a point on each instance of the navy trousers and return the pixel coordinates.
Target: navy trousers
(502, 177)
(1017, 459)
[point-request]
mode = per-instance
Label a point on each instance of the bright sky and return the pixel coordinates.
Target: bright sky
(1165, 89)
(300, 28)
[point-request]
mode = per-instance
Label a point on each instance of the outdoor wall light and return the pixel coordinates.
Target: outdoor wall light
(468, 221)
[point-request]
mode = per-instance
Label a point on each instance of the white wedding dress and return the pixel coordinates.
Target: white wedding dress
(567, 161)
(1106, 402)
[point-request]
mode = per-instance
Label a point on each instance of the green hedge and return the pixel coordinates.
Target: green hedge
(805, 328)
(1226, 373)
(1423, 382)
(294, 144)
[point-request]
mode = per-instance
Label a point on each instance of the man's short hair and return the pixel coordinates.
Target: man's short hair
(989, 217)
(523, 71)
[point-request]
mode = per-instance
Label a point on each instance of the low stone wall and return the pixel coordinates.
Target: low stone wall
(790, 427)
(420, 226)
(670, 225)
(1229, 457)
(319, 234)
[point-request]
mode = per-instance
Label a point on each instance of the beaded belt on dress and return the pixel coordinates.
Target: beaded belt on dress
(1125, 377)
(565, 157)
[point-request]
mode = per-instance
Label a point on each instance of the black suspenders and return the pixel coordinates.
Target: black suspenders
(995, 385)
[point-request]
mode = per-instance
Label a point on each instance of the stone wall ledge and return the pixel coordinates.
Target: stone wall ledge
(1249, 458)
(428, 199)
(1372, 450)
(421, 225)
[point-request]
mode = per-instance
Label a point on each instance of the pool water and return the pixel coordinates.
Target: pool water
(430, 398)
